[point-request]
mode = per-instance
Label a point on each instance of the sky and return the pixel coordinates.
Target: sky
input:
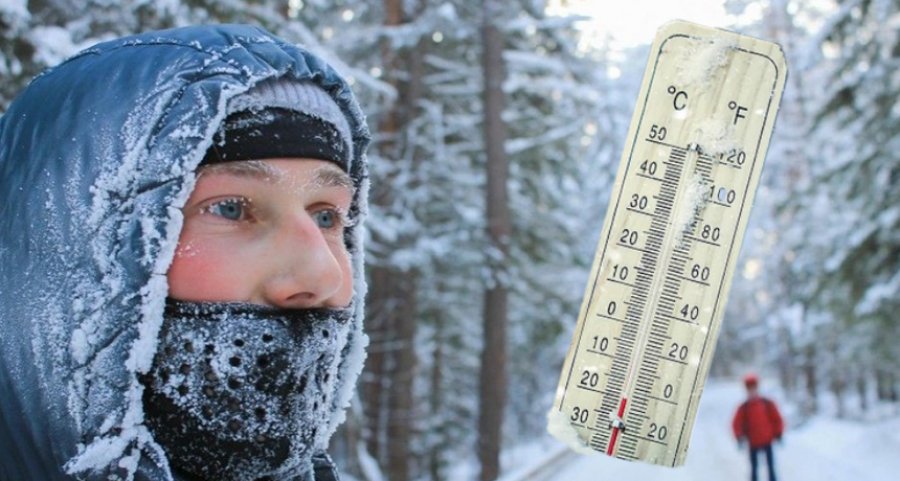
(634, 22)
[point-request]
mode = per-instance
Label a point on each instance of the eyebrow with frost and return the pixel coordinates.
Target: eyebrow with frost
(328, 175)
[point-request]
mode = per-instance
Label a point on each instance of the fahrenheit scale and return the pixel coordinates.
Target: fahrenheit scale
(648, 324)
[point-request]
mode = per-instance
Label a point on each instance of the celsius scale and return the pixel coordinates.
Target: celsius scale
(648, 324)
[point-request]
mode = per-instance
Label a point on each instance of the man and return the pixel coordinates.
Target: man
(182, 291)
(758, 422)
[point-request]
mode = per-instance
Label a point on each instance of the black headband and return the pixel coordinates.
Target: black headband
(276, 133)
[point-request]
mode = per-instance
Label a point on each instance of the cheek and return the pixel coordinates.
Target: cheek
(199, 272)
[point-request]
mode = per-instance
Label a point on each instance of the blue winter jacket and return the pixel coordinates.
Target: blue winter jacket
(97, 156)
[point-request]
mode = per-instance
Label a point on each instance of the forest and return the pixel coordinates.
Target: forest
(497, 131)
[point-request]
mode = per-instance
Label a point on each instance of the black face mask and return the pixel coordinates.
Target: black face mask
(239, 392)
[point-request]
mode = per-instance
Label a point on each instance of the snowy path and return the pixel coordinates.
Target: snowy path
(713, 454)
(821, 450)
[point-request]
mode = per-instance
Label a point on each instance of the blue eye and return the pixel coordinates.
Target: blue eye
(231, 209)
(326, 219)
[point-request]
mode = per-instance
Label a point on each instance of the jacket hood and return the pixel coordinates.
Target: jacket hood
(97, 156)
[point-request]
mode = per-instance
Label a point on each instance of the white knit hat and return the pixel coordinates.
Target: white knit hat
(283, 118)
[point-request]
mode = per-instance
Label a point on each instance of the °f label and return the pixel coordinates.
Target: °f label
(648, 324)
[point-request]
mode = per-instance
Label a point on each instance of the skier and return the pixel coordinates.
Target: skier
(758, 422)
(181, 272)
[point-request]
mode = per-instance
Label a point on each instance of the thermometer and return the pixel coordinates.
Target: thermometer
(650, 317)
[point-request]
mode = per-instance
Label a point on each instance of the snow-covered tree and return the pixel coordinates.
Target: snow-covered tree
(39, 34)
(825, 251)
(857, 180)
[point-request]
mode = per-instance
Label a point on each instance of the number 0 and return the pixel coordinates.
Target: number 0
(668, 390)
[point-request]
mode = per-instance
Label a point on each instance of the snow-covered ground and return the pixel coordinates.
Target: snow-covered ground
(821, 449)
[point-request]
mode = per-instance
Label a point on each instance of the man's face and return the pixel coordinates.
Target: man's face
(267, 232)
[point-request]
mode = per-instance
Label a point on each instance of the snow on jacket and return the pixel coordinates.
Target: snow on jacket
(759, 421)
(97, 156)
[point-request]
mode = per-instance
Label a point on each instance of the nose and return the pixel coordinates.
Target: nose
(305, 271)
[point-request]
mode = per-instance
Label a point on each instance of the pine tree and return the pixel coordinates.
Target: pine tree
(856, 185)
(828, 246)
(36, 35)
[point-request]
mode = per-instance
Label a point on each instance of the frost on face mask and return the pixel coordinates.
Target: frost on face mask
(239, 392)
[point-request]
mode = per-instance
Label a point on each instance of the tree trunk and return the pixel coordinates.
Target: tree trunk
(436, 462)
(886, 385)
(862, 389)
(786, 369)
(812, 388)
(492, 378)
(390, 370)
(347, 445)
(400, 398)
(401, 287)
(376, 377)
(838, 387)
(892, 388)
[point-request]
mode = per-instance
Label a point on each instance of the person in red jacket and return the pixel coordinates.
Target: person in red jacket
(758, 422)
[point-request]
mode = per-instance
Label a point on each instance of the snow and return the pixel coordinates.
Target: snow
(368, 464)
(15, 8)
(702, 61)
(716, 136)
(100, 452)
(559, 426)
(818, 449)
(79, 346)
(53, 44)
(879, 294)
(689, 206)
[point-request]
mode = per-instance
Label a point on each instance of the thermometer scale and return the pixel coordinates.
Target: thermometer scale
(641, 351)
